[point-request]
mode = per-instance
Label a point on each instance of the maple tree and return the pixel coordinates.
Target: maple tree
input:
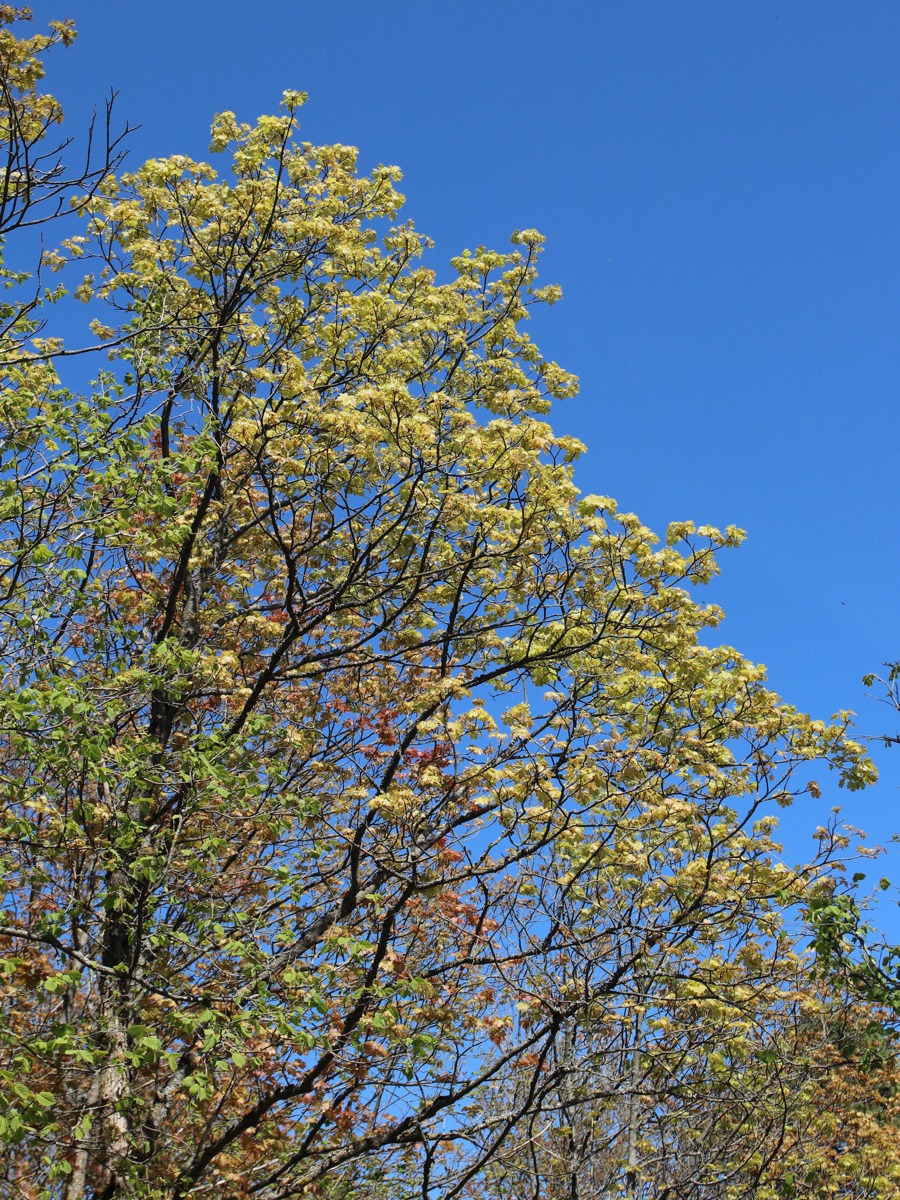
(375, 811)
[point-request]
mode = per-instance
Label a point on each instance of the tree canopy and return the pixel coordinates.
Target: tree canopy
(378, 814)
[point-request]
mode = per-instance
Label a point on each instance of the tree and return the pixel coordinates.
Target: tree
(849, 950)
(364, 788)
(773, 1098)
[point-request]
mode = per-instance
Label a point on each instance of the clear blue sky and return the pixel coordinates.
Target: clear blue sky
(718, 183)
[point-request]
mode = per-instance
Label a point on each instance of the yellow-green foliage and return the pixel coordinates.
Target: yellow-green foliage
(367, 795)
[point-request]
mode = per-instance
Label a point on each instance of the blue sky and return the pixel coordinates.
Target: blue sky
(718, 183)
